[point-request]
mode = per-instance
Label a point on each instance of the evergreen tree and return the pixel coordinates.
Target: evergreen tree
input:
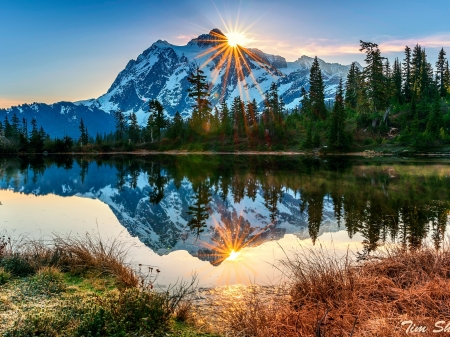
(84, 136)
(388, 82)
(251, 116)
(308, 144)
(316, 91)
(440, 73)
(397, 81)
(7, 127)
(407, 80)
(36, 141)
(25, 127)
(121, 124)
(176, 128)
(337, 138)
(304, 101)
(415, 114)
(238, 111)
(373, 74)
(351, 86)
(215, 120)
(225, 119)
(15, 124)
(201, 114)
(435, 120)
(447, 77)
(133, 129)
(157, 121)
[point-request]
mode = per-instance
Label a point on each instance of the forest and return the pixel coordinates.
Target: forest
(381, 106)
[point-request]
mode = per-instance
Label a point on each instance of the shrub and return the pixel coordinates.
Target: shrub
(50, 279)
(17, 265)
(5, 276)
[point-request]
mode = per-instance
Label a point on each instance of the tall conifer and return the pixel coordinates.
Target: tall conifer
(440, 73)
(316, 91)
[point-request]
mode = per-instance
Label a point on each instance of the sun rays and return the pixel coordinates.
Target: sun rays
(231, 59)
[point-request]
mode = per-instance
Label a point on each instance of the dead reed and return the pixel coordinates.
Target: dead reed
(328, 295)
(75, 254)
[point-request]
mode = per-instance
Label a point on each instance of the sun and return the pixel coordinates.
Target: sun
(233, 255)
(235, 38)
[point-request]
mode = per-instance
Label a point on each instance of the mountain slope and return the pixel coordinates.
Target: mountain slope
(161, 72)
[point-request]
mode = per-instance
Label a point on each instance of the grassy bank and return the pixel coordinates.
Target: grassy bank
(83, 287)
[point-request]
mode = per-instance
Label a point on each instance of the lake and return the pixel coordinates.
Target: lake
(227, 218)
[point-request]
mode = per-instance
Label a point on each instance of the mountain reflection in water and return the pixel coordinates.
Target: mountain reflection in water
(214, 206)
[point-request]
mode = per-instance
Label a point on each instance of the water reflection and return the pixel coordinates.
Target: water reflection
(215, 206)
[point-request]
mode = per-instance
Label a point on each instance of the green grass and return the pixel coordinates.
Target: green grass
(81, 287)
(51, 303)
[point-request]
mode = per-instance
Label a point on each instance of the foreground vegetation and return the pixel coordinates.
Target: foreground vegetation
(328, 295)
(44, 293)
(82, 287)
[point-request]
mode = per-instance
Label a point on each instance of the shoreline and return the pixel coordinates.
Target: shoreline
(365, 153)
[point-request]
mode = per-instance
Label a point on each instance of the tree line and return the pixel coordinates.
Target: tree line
(406, 104)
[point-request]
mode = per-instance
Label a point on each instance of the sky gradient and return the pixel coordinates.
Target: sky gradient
(71, 50)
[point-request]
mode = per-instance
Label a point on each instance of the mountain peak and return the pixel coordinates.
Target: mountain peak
(214, 37)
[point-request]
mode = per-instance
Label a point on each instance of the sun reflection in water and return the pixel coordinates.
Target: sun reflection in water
(227, 251)
(233, 256)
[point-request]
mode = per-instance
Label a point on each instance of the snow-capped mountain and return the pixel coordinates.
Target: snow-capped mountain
(161, 72)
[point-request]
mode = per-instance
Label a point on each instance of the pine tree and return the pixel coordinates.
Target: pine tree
(308, 144)
(177, 126)
(8, 130)
(133, 128)
(440, 73)
(415, 114)
(252, 122)
(157, 119)
(447, 77)
(36, 141)
(225, 119)
(407, 80)
(337, 138)
(373, 73)
(435, 121)
(351, 86)
(316, 91)
(397, 81)
(15, 124)
(304, 101)
(25, 127)
(121, 124)
(389, 90)
(199, 91)
(238, 111)
(84, 137)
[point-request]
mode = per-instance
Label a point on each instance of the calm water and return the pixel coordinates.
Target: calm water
(227, 218)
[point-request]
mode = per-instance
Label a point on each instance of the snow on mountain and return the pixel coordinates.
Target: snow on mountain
(161, 72)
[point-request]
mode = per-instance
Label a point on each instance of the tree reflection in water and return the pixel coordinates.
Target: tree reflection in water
(380, 199)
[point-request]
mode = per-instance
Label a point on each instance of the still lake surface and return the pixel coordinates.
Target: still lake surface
(228, 218)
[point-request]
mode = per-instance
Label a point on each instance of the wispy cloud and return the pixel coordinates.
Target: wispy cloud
(325, 47)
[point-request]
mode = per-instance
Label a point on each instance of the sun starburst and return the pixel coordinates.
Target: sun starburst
(226, 50)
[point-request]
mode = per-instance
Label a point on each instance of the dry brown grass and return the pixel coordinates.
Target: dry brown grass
(332, 296)
(91, 254)
(76, 254)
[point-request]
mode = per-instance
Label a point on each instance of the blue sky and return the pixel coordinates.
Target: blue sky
(73, 49)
